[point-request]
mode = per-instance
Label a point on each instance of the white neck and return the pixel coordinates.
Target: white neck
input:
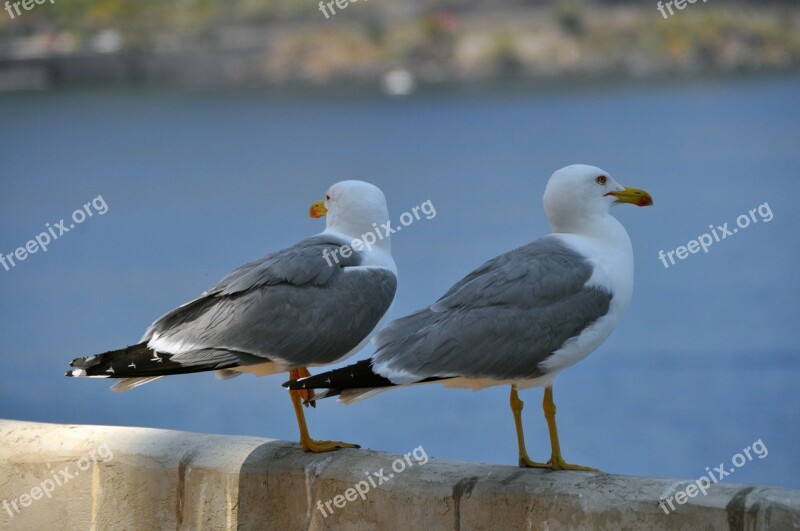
(607, 244)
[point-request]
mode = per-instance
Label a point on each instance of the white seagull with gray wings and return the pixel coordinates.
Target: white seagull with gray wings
(290, 310)
(520, 318)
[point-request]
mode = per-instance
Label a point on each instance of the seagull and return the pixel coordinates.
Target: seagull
(520, 318)
(315, 303)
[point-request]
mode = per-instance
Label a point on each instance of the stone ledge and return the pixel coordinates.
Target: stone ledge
(105, 477)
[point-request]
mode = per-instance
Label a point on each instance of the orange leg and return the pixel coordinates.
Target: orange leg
(306, 442)
(306, 394)
(516, 408)
(556, 459)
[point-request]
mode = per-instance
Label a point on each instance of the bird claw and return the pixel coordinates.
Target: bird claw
(555, 463)
(308, 397)
(558, 463)
(526, 462)
(310, 445)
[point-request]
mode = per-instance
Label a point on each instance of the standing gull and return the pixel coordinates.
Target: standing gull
(311, 304)
(520, 318)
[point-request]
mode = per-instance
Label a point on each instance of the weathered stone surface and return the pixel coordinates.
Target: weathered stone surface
(137, 478)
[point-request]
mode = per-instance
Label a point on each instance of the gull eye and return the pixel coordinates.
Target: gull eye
(327, 198)
(601, 179)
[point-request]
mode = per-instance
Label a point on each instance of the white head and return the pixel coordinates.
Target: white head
(579, 197)
(353, 209)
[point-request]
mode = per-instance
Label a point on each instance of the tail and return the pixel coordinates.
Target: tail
(137, 365)
(351, 383)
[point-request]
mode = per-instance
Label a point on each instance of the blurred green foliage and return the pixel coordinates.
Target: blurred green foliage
(456, 39)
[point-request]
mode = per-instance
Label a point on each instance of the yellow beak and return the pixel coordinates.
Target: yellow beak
(634, 196)
(318, 209)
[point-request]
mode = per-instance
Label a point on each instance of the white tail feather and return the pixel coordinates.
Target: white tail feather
(126, 384)
(349, 396)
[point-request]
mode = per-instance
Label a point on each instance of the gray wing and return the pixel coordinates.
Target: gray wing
(290, 306)
(500, 321)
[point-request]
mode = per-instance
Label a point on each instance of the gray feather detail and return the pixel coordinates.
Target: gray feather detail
(301, 264)
(290, 306)
(500, 321)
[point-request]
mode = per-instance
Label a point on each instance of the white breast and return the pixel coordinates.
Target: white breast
(611, 255)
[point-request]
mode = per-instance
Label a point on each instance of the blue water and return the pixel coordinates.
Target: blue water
(705, 363)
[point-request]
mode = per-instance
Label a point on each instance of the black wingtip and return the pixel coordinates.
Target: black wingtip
(356, 376)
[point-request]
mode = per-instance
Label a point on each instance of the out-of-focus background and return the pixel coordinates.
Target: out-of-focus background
(203, 130)
(211, 43)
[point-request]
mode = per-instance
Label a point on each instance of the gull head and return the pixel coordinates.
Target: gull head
(352, 208)
(579, 197)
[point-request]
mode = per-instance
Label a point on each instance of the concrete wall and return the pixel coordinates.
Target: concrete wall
(99, 477)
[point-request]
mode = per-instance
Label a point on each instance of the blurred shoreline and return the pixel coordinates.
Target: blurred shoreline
(398, 48)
